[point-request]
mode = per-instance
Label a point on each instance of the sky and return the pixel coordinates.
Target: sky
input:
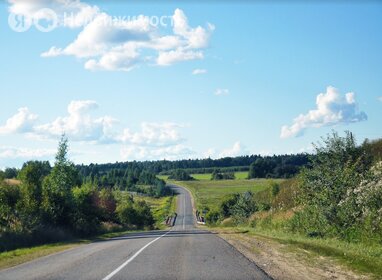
(150, 80)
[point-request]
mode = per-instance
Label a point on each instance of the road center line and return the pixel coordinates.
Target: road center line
(133, 257)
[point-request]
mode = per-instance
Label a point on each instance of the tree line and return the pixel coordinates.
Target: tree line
(276, 166)
(54, 203)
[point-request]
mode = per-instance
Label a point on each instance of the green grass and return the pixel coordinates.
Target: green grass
(207, 176)
(18, 256)
(210, 194)
(360, 257)
(163, 177)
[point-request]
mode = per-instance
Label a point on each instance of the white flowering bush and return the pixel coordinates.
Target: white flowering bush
(361, 208)
(341, 193)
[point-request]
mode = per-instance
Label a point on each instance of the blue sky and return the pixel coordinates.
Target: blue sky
(222, 80)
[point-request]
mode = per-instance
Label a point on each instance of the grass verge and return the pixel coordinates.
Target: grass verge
(363, 259)
(19, 256)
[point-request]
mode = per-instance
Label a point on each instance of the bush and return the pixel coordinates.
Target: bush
(180, 175)
(340, 194)
(85, 214)
(213, 217)
(217, 175)
(9, 198)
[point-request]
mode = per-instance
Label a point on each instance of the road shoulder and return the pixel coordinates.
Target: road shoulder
(285, 262)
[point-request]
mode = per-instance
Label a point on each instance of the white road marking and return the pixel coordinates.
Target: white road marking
(133, 257)
(184, 211)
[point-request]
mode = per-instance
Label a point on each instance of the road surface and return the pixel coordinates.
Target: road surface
(184, 252)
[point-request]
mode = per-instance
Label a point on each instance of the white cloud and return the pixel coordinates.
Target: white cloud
(173, 56)
(199, 71)
(121, 45)
(79, 125)
(221, 91)
(332, 108)
(134, 152)
(236, 150)
(25, 153)
(380, 98)
(153, 134)
(21, 122)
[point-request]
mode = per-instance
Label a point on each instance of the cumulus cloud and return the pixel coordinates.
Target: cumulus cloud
(173, 56)
(221, 91)
(120, 45)
(134, 152)
(25, 153)
(332, 108)
(82, 125)
(21, 122)
(153, 134)
(79, 124)
(380, 98)
(237, 149)
(199, 71)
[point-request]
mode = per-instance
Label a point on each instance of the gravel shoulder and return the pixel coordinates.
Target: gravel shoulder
(286, 262)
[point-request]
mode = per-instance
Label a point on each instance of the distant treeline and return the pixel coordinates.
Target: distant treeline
(209, 170)
(277, 166)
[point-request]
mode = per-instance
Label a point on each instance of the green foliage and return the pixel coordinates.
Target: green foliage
(180, 175)
(212, 217)
(9, 198)
(238, 206)
(2, 176)
(227, 205)
(275, 189)
(134, 214)
(340, 193)
(85, 215)
(217, 175)
(31, 176)
(57, 199)
(10, 173)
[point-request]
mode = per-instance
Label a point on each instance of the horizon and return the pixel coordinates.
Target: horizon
(171, 81)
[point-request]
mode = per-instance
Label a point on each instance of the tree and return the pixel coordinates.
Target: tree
(32, 175)
(9, 198)
(57, 195)
(85, 213)
(10, 173)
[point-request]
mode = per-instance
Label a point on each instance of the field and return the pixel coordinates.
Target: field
(207, 176)
(209, 194)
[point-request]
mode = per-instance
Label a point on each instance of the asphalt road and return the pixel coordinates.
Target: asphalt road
(184, 252)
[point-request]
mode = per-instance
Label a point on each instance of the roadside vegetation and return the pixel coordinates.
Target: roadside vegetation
(53, 204)
(333, 207)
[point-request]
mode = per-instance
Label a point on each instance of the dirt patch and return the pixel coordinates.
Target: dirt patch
(282, 263)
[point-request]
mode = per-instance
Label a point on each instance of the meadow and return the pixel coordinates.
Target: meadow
(209, 194)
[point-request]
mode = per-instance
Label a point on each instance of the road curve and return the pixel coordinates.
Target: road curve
(184, 252)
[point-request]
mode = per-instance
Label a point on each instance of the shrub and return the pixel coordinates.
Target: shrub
(85, 214)
(180, 175)
(213, 217)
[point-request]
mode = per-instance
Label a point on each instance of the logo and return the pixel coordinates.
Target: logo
(45, 20)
